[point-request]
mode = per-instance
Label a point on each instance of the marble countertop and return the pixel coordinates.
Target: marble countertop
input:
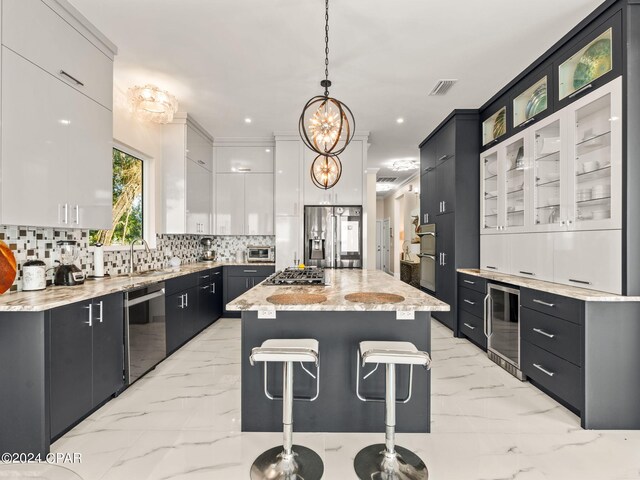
(550, 287)
(341, 283)
(53, 296)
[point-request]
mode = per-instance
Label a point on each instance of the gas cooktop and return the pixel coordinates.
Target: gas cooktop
(297, 276)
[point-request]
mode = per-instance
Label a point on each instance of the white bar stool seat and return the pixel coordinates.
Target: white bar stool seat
(388, 461)
(288, 462)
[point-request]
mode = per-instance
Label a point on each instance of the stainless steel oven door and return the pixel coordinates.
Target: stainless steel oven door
(427, 234)
(428, 271)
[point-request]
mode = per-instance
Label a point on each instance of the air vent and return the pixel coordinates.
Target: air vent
(442, 87)
(386, 179)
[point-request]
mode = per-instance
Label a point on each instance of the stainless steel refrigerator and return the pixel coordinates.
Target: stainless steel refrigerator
(333, 236)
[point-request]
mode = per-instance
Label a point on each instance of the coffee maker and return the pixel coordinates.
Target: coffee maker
(67, 273)
(208, 253)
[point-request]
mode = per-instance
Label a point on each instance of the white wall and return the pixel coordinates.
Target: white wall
(371, 205)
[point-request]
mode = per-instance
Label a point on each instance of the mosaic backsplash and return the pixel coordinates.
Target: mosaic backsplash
(28, 242)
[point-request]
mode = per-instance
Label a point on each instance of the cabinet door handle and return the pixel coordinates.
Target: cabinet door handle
(444, 259)
(586, 87)
(491, 267)
(443, 157)
(543, 370)
(200, 162)
(250, 271)
(469, 302)
(216, 273)
(213, 288)
(532, 119)
(182, 301)
(551, 305)
(100, 306)
(205, 287)
(77, 214)
(528, 273)
(470, 282)
(444, 206)
(66, 213)
(583, 282)
(204, 276)
(542, 332)
(246, 282)
(71, 77)
(90, 307)
(186, 299)
(469, 326)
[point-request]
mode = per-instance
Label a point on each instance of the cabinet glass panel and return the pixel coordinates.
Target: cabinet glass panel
(495, 126)
(546, 167)
(530, 103)
(514, 167)
(586, 65)
(592, 165)
(490, 183)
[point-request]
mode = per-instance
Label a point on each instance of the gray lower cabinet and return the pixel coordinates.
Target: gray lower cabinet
(181, 317)
(471, 295)
(239, 279)
(86, 358)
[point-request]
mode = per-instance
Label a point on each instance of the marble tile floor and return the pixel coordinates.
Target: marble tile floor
(182, 421)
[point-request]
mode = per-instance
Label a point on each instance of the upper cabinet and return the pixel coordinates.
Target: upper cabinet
(244, 159)
(532, 98)
(589, 62)
(563, 173)
(56, 106)
(187, 159)
(494, 127)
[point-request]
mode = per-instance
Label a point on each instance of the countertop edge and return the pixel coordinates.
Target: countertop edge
(577, 293)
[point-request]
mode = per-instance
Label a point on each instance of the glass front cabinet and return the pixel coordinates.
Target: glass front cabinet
(562, 173)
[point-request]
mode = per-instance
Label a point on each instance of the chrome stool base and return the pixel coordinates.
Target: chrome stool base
(374, 463)
(274, 464)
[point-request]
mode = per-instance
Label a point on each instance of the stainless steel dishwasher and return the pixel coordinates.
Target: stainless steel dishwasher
(145, 330)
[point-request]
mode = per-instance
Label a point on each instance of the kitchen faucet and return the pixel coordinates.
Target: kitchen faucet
(133, 242)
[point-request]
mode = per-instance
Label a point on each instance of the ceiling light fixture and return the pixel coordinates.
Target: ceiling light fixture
(152, 104)
(405, 164)
(383, 187)
(247, 120)
(400, 120)
(326, 125)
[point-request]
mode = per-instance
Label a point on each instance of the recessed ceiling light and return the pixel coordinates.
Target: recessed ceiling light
(268, 150)
(400, 120)
(247, 120)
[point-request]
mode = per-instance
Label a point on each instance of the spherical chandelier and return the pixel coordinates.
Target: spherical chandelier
(326, 171)
(326, 127)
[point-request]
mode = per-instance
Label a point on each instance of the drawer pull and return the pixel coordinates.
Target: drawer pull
(535, 300)
(492, 268)
(443, 158)
(586, 87)
(469, 302)
(250, 271)
(579, 281)
(544, 370)
(469, 326)
(75, 80)
(204, 276)
(470, 282)
(528, 273)
(542, 332)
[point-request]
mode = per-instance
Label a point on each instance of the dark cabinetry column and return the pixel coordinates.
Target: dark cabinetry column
(108, 347)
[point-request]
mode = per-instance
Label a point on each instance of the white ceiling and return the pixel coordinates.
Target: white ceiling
(227, 60)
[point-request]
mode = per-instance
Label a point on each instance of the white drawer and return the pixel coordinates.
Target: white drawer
(494, 252)
(590, 259)
(31, 29)
(531, 255)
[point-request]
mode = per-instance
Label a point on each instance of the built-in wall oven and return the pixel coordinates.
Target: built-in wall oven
(427, 234)
(502, 327)
(145, 330)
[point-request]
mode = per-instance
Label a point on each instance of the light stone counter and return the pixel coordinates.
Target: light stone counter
(53, 296)
(550, 287)
(341, 283)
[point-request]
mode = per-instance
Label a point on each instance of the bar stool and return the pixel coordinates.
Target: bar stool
(388, 461)
(288, 462)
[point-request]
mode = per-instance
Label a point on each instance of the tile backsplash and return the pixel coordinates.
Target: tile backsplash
(26, 242)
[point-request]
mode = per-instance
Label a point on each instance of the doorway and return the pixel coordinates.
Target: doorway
(386, 245)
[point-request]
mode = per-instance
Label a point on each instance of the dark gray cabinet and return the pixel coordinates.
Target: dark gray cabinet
(181, 316)
(471, 296)
(449, 197)
(87, 361)
(239, 279)
(209, 298)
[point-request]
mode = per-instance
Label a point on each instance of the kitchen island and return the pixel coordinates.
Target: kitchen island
(339, 324)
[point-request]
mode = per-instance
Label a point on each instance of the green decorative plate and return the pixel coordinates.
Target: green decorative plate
(500, 124)
(594, 63)
(537, 103)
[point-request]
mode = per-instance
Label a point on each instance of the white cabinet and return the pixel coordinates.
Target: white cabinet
(287, 177)
(349, 190)
(56, 151)
(33, 30)
(244, 159)
(187, 182)
(494, 252)
(289, 247)
(258, 204)
(230, 196)
(591, 259)
(244, 204)
(531, 255)
(198, 208)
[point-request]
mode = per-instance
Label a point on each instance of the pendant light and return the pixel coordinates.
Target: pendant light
(326, 126)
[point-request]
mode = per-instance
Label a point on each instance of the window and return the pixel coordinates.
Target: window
(128, 219)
